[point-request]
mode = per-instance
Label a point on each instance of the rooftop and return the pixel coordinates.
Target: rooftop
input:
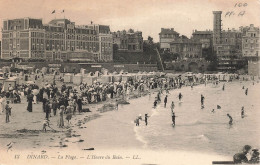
(168, 31)
(203, 32)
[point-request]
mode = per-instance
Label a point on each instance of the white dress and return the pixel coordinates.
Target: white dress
(1, 108)
(3, 103)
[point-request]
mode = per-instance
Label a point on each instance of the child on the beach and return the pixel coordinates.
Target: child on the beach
(45, 124)
(7, 112)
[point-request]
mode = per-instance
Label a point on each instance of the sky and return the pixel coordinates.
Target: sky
(148, 16)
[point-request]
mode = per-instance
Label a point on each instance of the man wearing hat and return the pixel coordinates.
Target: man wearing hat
(241, 157)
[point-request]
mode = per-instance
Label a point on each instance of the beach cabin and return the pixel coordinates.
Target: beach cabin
(6, 69)
(68, 78)
(104, 79)
(2, 80)
(97, 73)
(117, 78)
(77, 79)
(126, 77)
(83, 71)
(89, 80)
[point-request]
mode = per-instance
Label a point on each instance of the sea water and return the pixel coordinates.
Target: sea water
(197, 130)
(200, 129)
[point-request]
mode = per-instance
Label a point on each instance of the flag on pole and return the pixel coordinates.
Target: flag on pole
(63, 11)
(53, 12)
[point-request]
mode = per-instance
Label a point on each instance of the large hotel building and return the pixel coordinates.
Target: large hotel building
(59, 40)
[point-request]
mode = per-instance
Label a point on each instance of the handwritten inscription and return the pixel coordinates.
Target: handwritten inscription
(239, 10)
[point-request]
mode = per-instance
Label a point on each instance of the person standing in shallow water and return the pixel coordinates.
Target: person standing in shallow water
(242, 112)
(137, 120)
(230, 119)
(165, 101)
(180, 96)
(146, 118)
(154, 103)
(172, 106)
(202, 100)
(173, 118)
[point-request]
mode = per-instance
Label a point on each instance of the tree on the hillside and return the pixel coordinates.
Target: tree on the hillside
(168, 56)
(211, 56)
(115, 52)
(150, 40)
(131, 31)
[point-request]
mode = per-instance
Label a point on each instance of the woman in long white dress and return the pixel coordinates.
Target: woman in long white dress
(3, 103)
(1, 107)
(35, 93)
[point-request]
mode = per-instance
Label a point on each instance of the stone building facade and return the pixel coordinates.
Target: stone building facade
(186, 48)
(230, 45)
(31, 39)
(166, 37)
(128, 41)
(204, 37)
(105, 39)
(250, 41)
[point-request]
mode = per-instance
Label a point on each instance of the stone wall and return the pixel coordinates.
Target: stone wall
(190, 65)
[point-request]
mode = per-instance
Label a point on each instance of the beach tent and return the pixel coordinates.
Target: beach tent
(2, 80)
(90, 80)
(121, 72)
(199, 75)
(77, 79)
(114, 73)
(139, 76)
(83, 71)
(117, 78)
(104, 71)
(97, 73)
(90, 74)
(68, 78)
(104, 79)
(127, 77)
(6, 69)
(44, 70)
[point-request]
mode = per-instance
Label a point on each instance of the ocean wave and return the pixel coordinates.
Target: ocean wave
(138, 136)
(197, 122)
